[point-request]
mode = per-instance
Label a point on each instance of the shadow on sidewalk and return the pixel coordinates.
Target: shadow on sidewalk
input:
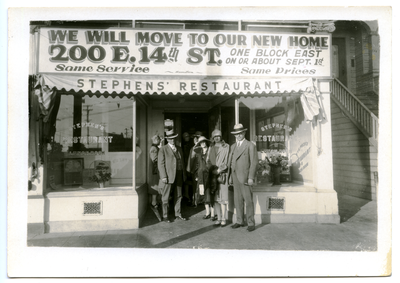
(349, 206)
(187, 211)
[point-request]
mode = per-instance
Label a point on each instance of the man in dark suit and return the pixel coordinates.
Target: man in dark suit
(242, 162)
(171, 166)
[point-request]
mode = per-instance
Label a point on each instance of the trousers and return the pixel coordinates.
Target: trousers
(176, 189)
(243, 194)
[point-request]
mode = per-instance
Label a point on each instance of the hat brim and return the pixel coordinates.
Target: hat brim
(199, 142)
(237, 132)
(171, 137)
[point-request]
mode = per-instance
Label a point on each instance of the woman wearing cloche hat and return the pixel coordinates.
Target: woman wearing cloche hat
(218, 164)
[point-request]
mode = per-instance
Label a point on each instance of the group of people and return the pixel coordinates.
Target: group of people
(210, 166)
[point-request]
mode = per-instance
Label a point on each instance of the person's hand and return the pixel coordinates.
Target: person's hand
(201, 190)
(250, 182)
(165, 180)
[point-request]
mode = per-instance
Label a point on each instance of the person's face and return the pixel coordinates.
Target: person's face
(171, 141)
(217, 138)
(186, 138)
(195, 139)
(203, 144)
(240, 136)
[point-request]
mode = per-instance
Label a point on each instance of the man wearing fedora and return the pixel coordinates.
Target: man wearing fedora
(242, 162)
(171, 166)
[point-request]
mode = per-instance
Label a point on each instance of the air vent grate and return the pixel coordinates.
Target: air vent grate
(275, 203)
(92, 208)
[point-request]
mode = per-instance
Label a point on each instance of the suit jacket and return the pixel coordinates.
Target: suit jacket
(167, 163)
(243, 161)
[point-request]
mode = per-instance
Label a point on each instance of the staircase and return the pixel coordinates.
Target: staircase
(355, 131)
(365, 120)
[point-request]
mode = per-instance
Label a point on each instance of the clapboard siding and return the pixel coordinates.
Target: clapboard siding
(373, 155)
(354, 137)
(354, 159)
(347, 173)
(340, 143)
(344, 132)
(352, 168)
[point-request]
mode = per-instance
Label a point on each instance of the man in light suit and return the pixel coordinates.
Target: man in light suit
(171, 166)
(242, 164)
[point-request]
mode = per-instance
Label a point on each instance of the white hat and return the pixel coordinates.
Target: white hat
(238, 128)
(216, 132)
(170, 134)
(201, 139)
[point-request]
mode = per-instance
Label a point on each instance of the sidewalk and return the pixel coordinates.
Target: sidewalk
(357, 231)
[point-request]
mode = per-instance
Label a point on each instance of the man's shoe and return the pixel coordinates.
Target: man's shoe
(236, 225)
(251, 228)
(180, 218)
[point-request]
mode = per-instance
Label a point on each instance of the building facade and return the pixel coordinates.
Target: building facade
(306, 91)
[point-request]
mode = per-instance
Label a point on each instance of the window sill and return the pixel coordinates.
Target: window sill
(92, 190)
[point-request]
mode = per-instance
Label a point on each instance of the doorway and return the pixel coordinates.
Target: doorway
(189, 123)
(339, 59)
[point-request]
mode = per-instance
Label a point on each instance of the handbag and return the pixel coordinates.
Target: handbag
(221, 178)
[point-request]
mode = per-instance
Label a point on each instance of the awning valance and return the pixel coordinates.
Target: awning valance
(173, 85)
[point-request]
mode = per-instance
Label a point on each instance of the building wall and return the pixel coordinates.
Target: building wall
(354, 159)
(367, 82)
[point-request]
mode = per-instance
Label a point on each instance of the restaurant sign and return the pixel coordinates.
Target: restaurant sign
(183, 53)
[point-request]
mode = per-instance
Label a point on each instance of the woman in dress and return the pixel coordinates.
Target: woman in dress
(218, 164)
(202, 176)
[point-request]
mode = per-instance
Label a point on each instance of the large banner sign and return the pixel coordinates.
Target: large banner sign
(184, 53)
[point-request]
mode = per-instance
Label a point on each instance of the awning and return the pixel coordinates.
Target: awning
(158, 85)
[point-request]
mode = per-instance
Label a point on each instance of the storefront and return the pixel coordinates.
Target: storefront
(103, 93)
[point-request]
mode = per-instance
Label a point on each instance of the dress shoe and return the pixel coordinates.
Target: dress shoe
(217, 223)
(208, 216)
(223, 223)
(167, 220)
(251, 228)
(236, 225)
(214, 218)
(180, 218)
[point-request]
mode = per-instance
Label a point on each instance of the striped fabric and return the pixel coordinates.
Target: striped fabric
(44, 93)
(310, 102)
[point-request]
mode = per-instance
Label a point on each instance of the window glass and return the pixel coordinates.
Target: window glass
(141, 144)
(95, 132)
(277, 127)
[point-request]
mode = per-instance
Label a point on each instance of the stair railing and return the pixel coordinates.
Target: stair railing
(356, 111)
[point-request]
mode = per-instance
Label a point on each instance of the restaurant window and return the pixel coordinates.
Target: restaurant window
(141, 144)
(93, 134)
(278, 128)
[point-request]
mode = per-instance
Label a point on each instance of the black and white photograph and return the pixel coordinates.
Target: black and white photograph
(192, 142)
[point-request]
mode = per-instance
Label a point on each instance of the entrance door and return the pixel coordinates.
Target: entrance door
(339, 60)
(214, 119)
(188, 122)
